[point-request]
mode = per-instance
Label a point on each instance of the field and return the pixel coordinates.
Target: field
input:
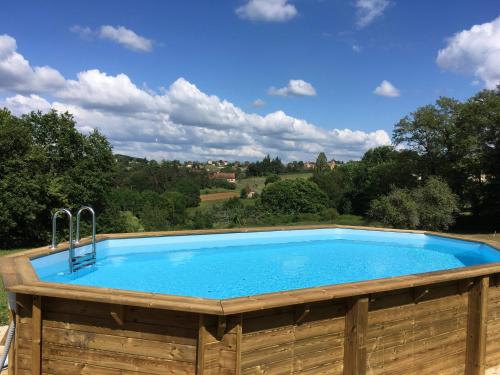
(219, 196)
(257, 183)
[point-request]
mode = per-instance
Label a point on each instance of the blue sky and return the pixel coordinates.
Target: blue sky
(230, 54)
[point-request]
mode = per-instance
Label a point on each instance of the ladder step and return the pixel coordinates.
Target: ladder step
(82, 261)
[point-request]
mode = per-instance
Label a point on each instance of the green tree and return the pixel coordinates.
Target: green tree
(321, 165)
(45, 163)
(437, 205)
(398, 209)
(293, 197)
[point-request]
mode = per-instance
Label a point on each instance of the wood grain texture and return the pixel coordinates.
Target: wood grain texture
(476, 327)
(36, 337)
(356, 328)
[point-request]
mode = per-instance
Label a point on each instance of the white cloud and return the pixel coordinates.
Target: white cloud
(126, 37)
(369, 10)
(475, 51)
(258, 103)
(95, 89)
(295, 87)
(16, 73)
(267, 10)
(84, 32)
(24, 104)
(118, 34)
(356, 48)
(386, 89)
(183, 122)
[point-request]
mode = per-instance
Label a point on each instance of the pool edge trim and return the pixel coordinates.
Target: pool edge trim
(19, 277)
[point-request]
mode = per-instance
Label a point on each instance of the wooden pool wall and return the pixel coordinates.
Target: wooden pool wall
(437, 323)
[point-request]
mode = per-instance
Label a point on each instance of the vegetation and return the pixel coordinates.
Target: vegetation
(442, 172)
(293, 197)
(431, 207)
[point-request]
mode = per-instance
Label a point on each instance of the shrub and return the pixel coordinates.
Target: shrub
(329, 214)
(293, 197)
(114, 221)
(202, 219)
(430, 207)
(397, 209)
(272, 178)
(437, 205)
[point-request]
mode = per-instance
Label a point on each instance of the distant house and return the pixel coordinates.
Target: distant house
(332, 164)
(229, 177)
(309, 165)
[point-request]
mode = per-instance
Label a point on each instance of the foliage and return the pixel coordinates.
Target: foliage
(113, 221)
(437, 205)
(459, 142)
(221, 183)
(46, 163)
(272, 178)
(321, 166)
(293, 197)
(430, 207)
(266, 167)
(398, 209)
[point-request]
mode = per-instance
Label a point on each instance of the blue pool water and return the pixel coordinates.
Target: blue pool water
(241, 264)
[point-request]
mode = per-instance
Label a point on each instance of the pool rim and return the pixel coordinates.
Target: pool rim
(19, 276)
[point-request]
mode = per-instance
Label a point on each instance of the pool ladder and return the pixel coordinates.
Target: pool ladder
(76, 262)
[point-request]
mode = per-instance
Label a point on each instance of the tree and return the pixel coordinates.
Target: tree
(321, 165)
(431, 206)
(437, 205)
(293, 197)
(398, 209)
(45, 163)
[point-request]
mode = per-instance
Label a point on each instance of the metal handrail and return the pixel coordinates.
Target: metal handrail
(54, 226)
(54, 234)
(92, 212)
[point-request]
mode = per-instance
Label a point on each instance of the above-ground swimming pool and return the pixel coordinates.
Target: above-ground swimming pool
(294, 301)
(242, 264)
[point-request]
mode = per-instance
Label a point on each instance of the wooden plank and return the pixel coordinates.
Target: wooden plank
(239, 338)
(356, 326)
(200, 353)
(36, 350)
(476, 327)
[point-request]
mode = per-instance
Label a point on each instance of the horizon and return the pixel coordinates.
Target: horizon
(243, 79)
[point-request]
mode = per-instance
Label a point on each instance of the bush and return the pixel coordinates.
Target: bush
(223, 184)
(202, 219)
(114, 221)
(398, 209)
(272, 178)
(329, 214)
(429, 207)
(293, 197)
(437, 205)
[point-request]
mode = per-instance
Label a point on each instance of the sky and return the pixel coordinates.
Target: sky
(239, 79)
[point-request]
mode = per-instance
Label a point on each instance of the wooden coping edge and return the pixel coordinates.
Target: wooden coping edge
(19, 276)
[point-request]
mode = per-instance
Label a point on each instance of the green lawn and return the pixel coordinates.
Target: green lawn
(257, 183)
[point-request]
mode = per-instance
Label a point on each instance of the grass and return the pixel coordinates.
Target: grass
(215, 190)
(4, 310)
(257, 183)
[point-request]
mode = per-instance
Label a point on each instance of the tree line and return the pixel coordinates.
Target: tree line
(442, 171)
